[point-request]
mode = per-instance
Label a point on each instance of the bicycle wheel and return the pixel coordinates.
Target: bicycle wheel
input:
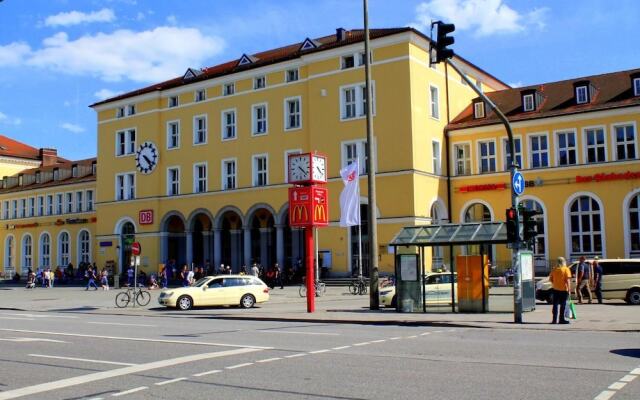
(363, 288)
(143, 298)
(321, 289)
(353, 288)
(122, 300)
(302, 291)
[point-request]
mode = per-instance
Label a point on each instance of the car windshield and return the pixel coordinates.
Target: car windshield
(201, 282)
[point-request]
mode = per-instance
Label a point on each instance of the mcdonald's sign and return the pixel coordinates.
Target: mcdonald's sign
(308, 206)
(299, 215)
(320, 214)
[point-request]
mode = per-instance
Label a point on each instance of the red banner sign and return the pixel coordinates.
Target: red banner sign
(614, 176)
(482, 188)
(308, 206)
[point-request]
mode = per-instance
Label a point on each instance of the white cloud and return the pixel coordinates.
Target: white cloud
(147, 56)
(104, 94)
(516, 84)
(14, 54)
(484, 17)
(6, 120)
(172, 20)
(73, 128)
(78, 17)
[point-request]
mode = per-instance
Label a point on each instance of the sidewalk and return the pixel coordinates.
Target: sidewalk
(335, 307)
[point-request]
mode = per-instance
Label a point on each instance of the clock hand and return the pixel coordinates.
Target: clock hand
(301, 170)
(146, 158)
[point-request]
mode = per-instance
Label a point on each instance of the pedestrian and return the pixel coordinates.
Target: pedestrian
(190, 277)
(255, 271)
(221, 270)
(208, 268)
(52, 277)
(560, 279)
(278, 272)
(197, 274)
(597, 279)
(104, 279)
(31, 279)
(164, 281)
(45, 279)
(228, 270)
(91, 275)
(130, 274)
(583, 274)
(184, 274)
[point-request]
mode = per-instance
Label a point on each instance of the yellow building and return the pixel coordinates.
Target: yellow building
(48, 215)
(577, 147)
(194, 168)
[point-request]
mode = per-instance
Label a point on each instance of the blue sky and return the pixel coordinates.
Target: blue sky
(59, 56)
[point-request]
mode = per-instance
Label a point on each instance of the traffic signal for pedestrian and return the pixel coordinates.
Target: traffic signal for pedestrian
(529, 224)
(443, 41)
(512, 225)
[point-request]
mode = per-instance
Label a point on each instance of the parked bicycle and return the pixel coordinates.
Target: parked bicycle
(139, 295)
(320, 289)
(358, 286)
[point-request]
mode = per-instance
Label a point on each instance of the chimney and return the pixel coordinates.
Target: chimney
(340, 34)
(48, 157)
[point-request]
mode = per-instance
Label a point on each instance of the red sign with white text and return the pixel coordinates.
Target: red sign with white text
(145, 217)
(308, 206)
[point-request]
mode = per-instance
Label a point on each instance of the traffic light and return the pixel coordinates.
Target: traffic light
(512, 225)
(529, 225)
(443, 41)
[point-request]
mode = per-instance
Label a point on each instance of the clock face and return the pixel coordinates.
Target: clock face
(146, 157)
(299, 168)
(319, 169)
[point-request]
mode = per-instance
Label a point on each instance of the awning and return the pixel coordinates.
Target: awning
(452, 234)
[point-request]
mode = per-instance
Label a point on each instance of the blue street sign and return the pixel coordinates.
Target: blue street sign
(518, 183)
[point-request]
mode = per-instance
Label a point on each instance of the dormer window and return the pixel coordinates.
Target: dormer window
(74, 171)
(528, 102)
(636, 86)
(37, 176)
(93, 168)
(478, 109)
(131, 109)
(229, 89)
(173, 101)
(120, 112)
(582, 94)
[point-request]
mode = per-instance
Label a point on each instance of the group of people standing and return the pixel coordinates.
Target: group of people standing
(588, 275)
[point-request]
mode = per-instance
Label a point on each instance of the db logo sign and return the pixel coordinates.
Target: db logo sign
(145, 217)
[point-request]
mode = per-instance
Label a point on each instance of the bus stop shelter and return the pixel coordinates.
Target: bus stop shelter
(471, 290)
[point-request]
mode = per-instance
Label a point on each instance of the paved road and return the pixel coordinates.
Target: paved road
(168, 355)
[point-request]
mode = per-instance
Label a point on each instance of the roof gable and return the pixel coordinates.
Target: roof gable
(309, 44)
(245, 60)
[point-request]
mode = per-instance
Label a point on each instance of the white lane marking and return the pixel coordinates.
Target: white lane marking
(378, 341)
(130, 391)
(635, 371)
(605, 395)
(18, 318)
(617, 385)
(296, 355)
(412, 337)
(361, 344)
(301, 333)
(170, 381)
(138, 339)
(425, 334)
(213, 371)
(121, 324)
(395, 338)
(438, 331)
(134, 369)
(81, 359)
(26, 339)
(266, 360)
(44, 316)
(238, 366)
(341, 347)
(628, 378)
(319, 351)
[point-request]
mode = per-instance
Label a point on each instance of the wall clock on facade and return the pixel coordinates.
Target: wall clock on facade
(147, 157)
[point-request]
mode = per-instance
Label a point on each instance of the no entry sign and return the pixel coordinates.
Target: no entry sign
(136, 249)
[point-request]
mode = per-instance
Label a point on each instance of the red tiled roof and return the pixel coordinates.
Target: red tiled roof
(275, 56)
(611, 90)
(13, 148)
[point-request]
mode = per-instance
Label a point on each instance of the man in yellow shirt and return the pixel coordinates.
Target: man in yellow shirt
(560, 279)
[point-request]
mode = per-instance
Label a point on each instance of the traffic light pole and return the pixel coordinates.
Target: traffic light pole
(515, 255)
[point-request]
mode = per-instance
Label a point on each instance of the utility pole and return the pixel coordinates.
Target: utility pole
(374, 300)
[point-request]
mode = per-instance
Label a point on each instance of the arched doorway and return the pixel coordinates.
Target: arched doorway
(127, 237)
(293, 245)
(478, 212)
(175, 248)
(200, 228)
(263, 237)
(228, 240)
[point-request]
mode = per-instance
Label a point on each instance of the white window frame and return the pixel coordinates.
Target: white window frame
(120, 112)
(580, 233)
(582, 94)
(23, 208)
(64, 255)
(467, 160)
(127, 189)
(200, 95)
(5, 209)
(27, 252)
(556, 135)
(436, 158)
(197, 129)
(478, 109)
(129, 145)
(255, 173)
(229, 89)
(198, 181)
(79, 200)
(255, 121)
(68, 203)
(32, 207)
(504, 144)
(14, 209)
(170, 134)
(286, 162)
(223, 163)
(354, 60)
(40, 206)
(586, 147)
(59, 203)
(361, 154)
(44, 249)
(434, 106)
(295, 75)
(359, 89)
(50, 205)
(89, 200)
(479, 144)
(614, 140)
(532, 153)
(528, 102)
(131, 109)
(173, 101)
(84, 247)
(259, 82)
(223, 124)
(9, 251)
(171, 183)
(636, 86)
(287, 114)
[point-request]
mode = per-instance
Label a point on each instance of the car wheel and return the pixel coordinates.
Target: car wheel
(247, 301)
(184, 303)
(633, 297)
(393, 302)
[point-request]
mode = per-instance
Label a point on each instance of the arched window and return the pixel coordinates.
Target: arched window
(9, 251)
(634, 226)
(477, 212)
(45, 250)
(63, 249)
(437, 258)
(27, 252)
(84, 247)
(586, 227)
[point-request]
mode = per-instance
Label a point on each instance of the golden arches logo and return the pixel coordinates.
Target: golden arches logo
(299, 214)
(319, 213)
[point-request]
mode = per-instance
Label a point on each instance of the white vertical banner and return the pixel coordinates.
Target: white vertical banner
(350, 196)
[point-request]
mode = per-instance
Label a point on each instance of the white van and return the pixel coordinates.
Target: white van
(620, 281)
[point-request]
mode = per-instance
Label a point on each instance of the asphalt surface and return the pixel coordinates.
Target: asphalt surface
(65, 343)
